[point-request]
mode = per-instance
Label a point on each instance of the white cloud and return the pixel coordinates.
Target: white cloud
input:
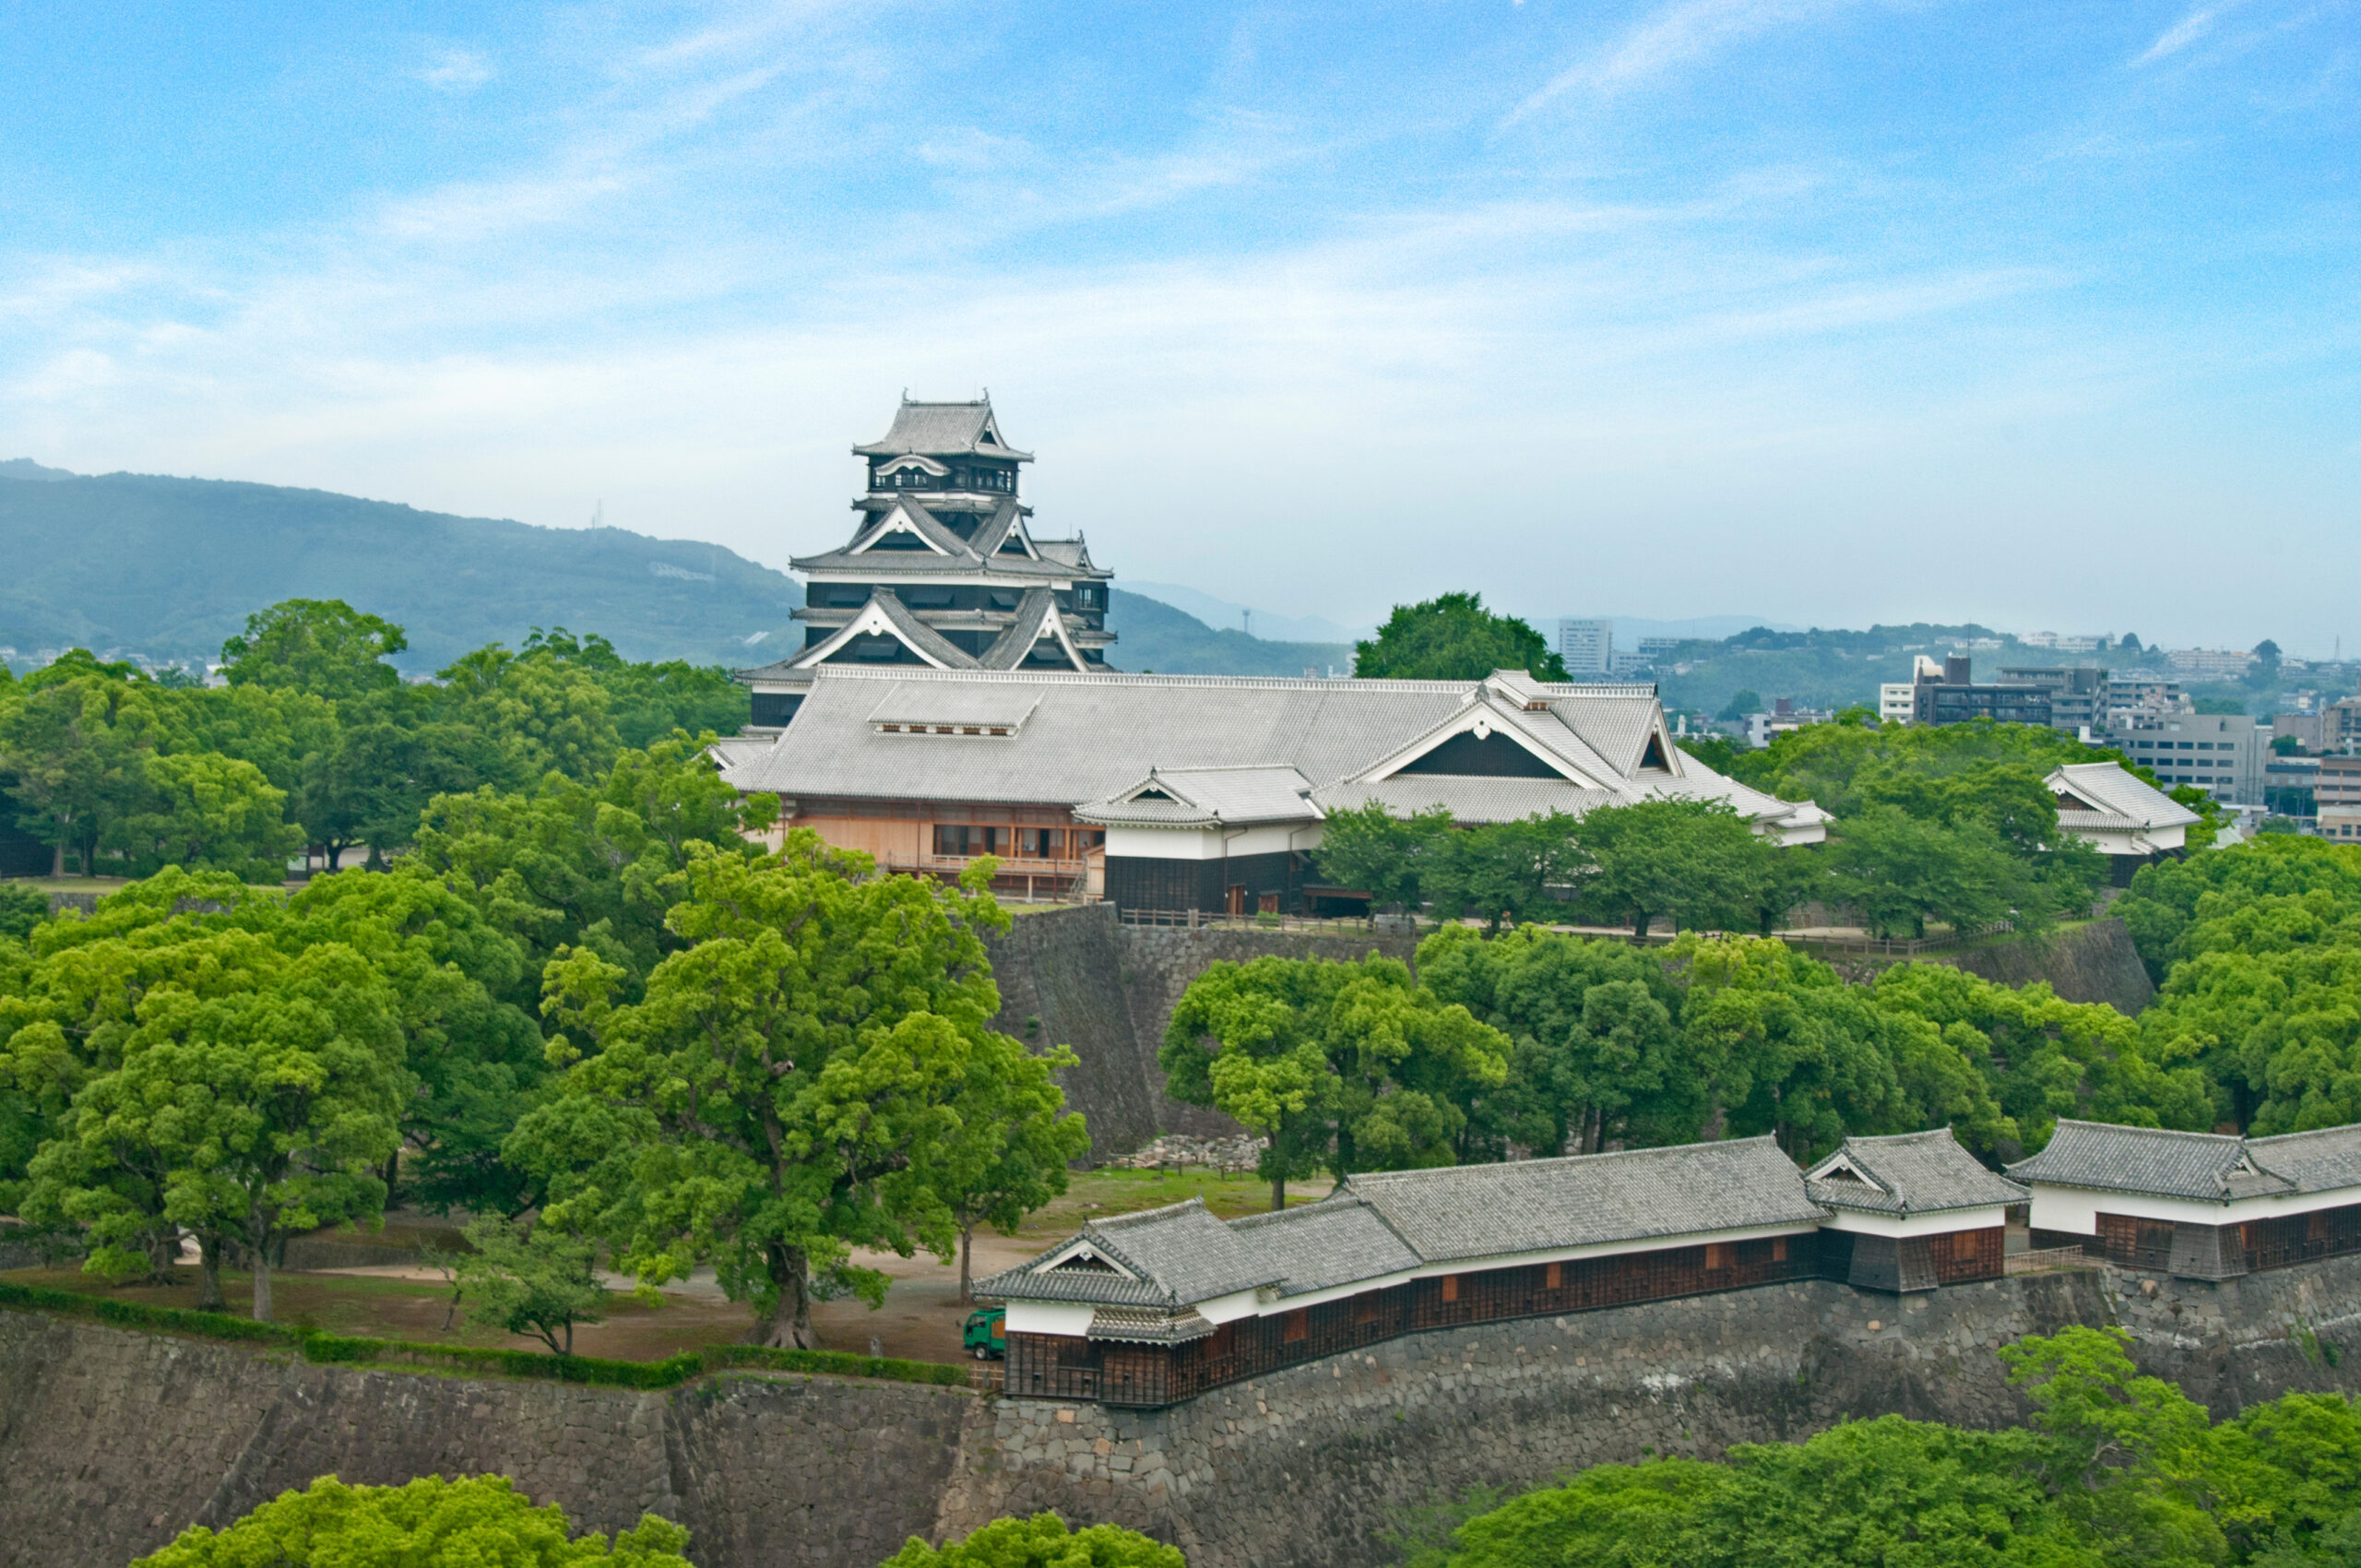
(450, 69)
(2182, 33)
(1677, 35)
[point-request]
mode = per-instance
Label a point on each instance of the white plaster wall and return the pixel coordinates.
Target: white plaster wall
(2077, 1208)
(1206, 843)
(1905, 1225)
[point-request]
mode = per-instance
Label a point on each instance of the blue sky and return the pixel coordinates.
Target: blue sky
(2043, 314)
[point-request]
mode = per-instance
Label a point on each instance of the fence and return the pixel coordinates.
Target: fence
(1887, 948)
(2047, 1259)
(1203, 919)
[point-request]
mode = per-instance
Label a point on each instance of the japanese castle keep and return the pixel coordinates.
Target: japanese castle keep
(942, 571)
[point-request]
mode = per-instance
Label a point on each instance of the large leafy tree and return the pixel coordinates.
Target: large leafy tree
(77, 747)
(320, 646)
(1595, 1052)
(250, 1096)
(1696, 863)
(1369, 849)
(1013, 1140)
(474, 1519)
(1352, 1066)
(550, 713)
(761, 1105)
(205, 809)
(1507, 871)
(1454, 638)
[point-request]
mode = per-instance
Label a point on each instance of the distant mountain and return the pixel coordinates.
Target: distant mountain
(166, 568)
(1153, 635)
(25, 467)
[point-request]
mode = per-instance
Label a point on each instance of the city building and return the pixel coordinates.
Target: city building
(1785, 716)
(2079, 697)
(2341, 725)
(2146, 691)
(2122, 816)
(2337, 786)
(1944, 694)
(2290, 785)
(1587, 647)
(2200, 1206)
(2223, 753)
(942, 571)
(2308, 731)
(1897, 702)
(2208, 663)
(2340, 823)
(2051, 640)
(1180, 792)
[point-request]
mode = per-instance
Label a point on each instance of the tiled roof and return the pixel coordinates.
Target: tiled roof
(1318, 1246)
(2112, 789)
(1909, 1173)
(917, 702)
(1037, 614)
(937, 429)
(1180, 1254)
(2316, 1162)
(1476, 1211)
(1202, 796)
(2143, 1159)
(1093, 737)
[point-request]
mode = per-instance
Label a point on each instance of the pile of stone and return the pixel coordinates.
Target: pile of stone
(1179, 1151)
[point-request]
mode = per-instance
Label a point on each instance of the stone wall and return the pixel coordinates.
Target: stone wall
(113, 1440)
(2087, 963)
(1108, 990)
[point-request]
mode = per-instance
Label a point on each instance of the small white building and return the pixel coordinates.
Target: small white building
(2203, 1206)
(2128, 821)
(1897, 701)
(1910, 1212)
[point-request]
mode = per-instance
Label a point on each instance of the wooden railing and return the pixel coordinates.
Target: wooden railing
(2048, 1258)
(1206, 920)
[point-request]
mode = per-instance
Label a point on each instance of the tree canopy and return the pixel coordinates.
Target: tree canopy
(2115, 1468)
(1454, 638)
(1042, 1541)
(475, 1519)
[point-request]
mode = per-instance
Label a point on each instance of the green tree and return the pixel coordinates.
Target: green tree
(1368, 849)
(22, 908)
(78, 758)
(203, 809)
(1897, 871)
(760, 1104)
(475, 1519)
(1454, 638)
(248, 1104)
(1504, 871)
(1743, 701)
(1008, 1152)
(1348, 1065)
(530, 1279)
(1596, 1051)
(550, 714)
(1697, 863)
(320, 646)
(1042, 1541)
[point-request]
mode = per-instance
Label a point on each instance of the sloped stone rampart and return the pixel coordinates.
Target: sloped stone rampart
(111, 1441)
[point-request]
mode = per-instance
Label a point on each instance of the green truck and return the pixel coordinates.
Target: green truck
(986, 1333)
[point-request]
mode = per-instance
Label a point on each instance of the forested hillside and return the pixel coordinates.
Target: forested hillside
(1155, 637)
(166, 568)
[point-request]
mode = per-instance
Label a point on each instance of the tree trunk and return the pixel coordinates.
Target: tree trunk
(1278, 1192)
(336, 853)
(208, 1269)
(393, 1174)
(788, 1324)
(967, 1265)
(1640, 922)
(258, 1241)
(57, 860)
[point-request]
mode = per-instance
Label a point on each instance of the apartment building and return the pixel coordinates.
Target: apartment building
(2223, 753)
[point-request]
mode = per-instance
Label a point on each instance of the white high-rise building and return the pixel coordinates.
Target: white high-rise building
(1586, 647)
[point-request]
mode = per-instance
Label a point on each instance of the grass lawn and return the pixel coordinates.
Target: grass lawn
(1096, 1194)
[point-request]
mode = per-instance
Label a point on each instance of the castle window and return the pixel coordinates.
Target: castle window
(1451, 1287)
